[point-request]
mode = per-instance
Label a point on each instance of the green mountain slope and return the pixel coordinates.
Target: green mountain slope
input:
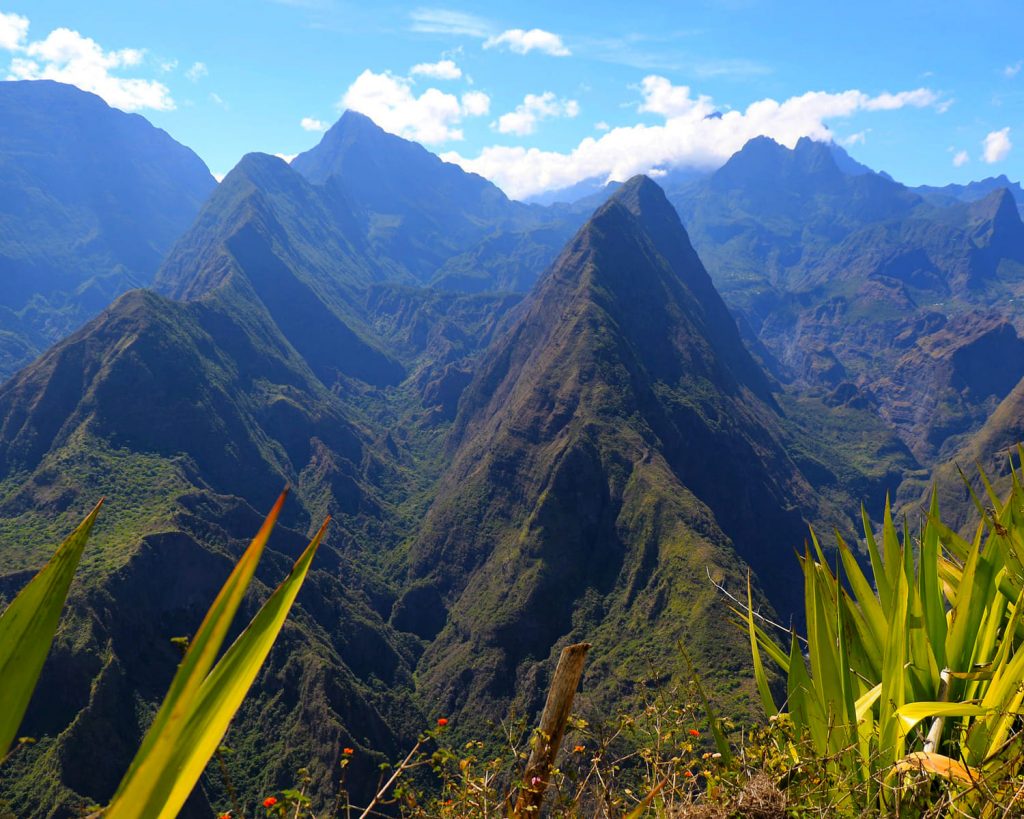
(90, 200)
(616, 444)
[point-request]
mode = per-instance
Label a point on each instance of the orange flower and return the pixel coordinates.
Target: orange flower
(443, 721)
(694, 732)
(687, 773)
(224, 816)
(348, 751)
(270, 801)
(579, 749)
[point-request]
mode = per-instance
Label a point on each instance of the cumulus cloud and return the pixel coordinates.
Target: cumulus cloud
(693, 134)
(535, 107)
(997, 146)
(197, 72)
(311, 124)
(441, 70)
(1010, 71)
(66, 56)
(431, 118)
(960, 158)
(660, 96)
(13, 30)
(520, 41)
(475, 104)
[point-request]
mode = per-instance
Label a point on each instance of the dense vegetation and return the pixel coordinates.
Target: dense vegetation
(531, 426)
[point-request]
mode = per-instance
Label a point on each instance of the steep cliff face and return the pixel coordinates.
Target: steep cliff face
(949, 381)
(848, 278)
(615, 445)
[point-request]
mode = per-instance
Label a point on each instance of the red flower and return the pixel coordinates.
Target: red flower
(270, 801)
(694, 732)
(442, 722)
(688, 773)
(347, 751)
(224, 816)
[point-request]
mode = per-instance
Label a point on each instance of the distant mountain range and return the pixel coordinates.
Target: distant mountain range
(91, 199)
(531, 424)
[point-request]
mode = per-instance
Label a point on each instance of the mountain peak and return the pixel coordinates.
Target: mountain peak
(642, 197)
(635, 254)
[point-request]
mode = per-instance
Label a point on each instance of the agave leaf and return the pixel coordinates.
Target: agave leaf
(877, 565)
(847, 697)
(28, 625)
(913, 712)
(161, 740)
(863, 647)
(867, 701)
(1004, 697)
(821, 639)
(893, 677)
(939, 765)
(892, 552)
(219, 697)
(868, 604)
(645, 803)
(805, 707)
(929, 589)
(759, 676)
(972, 598)
(768, 645)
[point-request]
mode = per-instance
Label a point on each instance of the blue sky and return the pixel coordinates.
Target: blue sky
(537, 95)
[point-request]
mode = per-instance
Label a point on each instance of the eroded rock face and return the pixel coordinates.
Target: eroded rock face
(950, 381)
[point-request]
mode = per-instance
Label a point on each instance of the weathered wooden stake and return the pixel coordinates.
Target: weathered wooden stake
(551, 730)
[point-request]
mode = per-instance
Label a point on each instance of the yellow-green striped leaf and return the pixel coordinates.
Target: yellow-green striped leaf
(27, 627)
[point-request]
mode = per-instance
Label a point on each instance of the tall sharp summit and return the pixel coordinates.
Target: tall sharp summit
(615, 446)
(429, 218)
(91, 198)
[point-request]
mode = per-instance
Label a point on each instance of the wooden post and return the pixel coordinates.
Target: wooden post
(551, 730)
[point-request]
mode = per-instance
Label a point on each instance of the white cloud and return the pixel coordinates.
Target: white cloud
(311, 124)
(216, 99)
(602, 126)
(1010, 71)
(520, 41)
(286, 157)
(219, 176)
(960, 158)
(661, 97)
(13, 30)
(442, 70)
(693, 134)
(66, 56)
(444, 21)
(432, 117)
(168, 66)
(918, 98)
(997, 146)
(475, 104)
(197, 72)
(535, 107)
(858, 138)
